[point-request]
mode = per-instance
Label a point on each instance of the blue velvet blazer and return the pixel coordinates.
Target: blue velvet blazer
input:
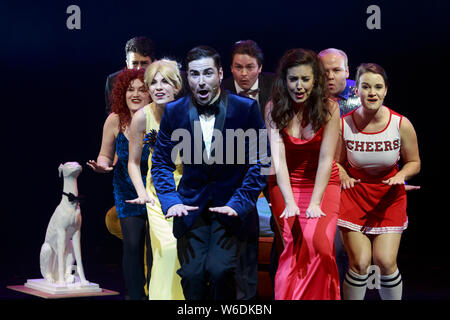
(229, 180)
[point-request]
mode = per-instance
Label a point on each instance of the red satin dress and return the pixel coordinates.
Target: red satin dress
(307, 266)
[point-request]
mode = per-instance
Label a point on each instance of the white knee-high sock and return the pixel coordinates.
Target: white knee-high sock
(391, 286)
(355, 285)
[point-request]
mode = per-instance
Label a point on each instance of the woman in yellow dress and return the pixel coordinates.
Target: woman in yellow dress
(164, 82)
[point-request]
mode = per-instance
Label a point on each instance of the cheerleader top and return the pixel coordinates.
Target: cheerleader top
(372, 152)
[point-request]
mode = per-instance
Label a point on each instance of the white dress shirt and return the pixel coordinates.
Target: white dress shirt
(207, 125)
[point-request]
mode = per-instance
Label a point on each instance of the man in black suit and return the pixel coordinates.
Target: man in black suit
(139, 53)
(248, 79)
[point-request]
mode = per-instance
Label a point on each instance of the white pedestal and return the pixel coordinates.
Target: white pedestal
(68, 288)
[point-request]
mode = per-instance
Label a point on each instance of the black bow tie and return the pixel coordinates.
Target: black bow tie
(208, 110)
(73, 197)
(249, 93)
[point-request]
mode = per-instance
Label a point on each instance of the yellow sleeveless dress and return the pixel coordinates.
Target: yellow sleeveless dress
(165, 283)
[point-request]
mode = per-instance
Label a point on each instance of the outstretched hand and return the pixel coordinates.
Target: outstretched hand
(142, 200)
(394, 180)
(314, 211)
(349, 182)
(290, 210)
(409, 187)
(100, 168)
(224, 210)
(179, 210)
(398, 180)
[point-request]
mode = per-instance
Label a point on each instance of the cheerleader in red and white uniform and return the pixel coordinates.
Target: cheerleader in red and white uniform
(373, 199)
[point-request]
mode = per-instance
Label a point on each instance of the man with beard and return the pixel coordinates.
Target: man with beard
(214, 205)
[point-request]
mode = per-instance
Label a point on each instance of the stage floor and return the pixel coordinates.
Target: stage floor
(420, 282)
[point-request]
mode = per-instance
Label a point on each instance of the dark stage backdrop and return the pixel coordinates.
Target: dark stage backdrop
(53, 78)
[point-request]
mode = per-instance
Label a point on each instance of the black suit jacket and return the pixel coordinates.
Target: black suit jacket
(108, 90)
(265, 81)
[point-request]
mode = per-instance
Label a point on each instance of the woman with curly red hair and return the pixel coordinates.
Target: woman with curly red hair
(129, 94)
(303, 127)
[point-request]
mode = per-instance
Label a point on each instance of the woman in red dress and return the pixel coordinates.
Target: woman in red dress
(373, 201)
(305, 191)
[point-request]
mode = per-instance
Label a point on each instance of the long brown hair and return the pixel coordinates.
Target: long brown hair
(316, 110)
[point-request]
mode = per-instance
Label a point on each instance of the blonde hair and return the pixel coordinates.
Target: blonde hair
(168, 69)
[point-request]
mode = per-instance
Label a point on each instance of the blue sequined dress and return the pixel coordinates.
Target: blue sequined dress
(123, 187)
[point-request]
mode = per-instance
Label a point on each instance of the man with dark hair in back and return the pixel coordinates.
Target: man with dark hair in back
(248, 79)
(139, 54)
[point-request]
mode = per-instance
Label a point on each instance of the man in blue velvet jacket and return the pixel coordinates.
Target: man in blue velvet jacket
(222, 143)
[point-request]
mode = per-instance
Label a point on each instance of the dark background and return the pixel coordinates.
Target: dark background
(53, 109)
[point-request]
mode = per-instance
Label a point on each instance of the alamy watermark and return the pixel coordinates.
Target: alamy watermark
(374, 20)
(374, 278)
(233, 147)
(74, 20)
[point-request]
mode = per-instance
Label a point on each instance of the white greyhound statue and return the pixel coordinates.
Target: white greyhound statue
(62, 240)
